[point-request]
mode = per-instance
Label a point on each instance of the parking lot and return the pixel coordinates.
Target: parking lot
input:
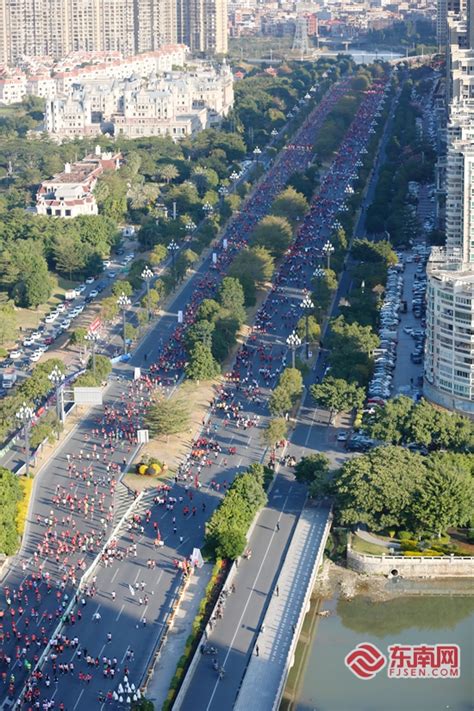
(407, 374)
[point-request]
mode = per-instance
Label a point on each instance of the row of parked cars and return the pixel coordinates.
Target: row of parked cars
(36, 342)
(385, 356)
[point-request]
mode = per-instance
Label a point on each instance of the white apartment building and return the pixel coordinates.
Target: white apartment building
(449, 350)
(460, 200)
(175, 103)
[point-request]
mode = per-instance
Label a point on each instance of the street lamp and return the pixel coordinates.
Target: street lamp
(208, 209)
(25, 416)
(328, 249)
(57, 378)
(147, 276)
(293, 341)
(274, 133)
(93, 337)
(190, 227)
(223, 191)
(257, 153)
(173, 248)
(123, 303)
(307, 305)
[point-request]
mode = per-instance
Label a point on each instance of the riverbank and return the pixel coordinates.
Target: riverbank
(348, 609)
(336, 580)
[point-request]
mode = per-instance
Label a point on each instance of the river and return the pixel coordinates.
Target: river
(320, 681)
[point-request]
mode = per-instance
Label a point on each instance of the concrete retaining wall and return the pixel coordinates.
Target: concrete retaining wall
(411, 566)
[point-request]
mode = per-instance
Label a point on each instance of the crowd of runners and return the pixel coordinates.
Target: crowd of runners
(43, 605)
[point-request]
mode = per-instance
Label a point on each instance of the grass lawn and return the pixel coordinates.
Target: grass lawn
(30, 318)
(361, 546)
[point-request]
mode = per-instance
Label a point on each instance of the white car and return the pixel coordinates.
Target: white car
(90, 280)
(81, 288)
(94, 293)
(35, 356)
(35, 335)
(16, 354)
(51, 318)
(61, 308)
(66, 323)
(342, 436)
(28, 342)
(107, 263)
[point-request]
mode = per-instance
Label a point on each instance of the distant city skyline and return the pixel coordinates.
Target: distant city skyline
(53, 28)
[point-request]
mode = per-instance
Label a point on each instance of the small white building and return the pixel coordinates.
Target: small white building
(70, 193)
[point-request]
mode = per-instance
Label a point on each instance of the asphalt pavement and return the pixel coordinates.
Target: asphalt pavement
(130, 624)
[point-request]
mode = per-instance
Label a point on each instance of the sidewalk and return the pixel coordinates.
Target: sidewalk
(272, 658)
(173, 647)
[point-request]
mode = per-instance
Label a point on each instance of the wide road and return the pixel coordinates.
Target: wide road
(129, 622)
(74, 510)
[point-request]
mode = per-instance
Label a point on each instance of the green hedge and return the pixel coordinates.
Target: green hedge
(226, 530)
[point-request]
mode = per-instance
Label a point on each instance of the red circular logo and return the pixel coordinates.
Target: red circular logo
(365, 661)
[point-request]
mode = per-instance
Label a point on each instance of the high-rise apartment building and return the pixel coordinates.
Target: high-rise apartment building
(155, 24)
(55, 27)
(443, 9)
(449, 350)
(203, 25)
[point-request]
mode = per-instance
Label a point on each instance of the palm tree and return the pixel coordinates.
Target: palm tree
(168, 172)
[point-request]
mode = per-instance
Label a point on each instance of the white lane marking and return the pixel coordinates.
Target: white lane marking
(78, 699)
(121, 610)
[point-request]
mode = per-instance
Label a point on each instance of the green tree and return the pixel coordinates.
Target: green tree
(227, 528)
(388, 424)
(337, 395)
(201, 365)
(351, 346)
(324, 286)
(131, 332)
(134, 276)
(209, 310)
(378, 488)
(256, 263)
(29, 271)
(273, 233)
(280, 401)
(184, 262)
(155, 295)
(167, 417)
(314, 329)
(168, 172)
(231, 298)
(10, 495)
(444, 498)
(275, 431)
(290, 205)
(314, 467)
(158, 254)
(122, 286)
(292, 381)
(200, 332)
(69, 254)
(109, 309)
